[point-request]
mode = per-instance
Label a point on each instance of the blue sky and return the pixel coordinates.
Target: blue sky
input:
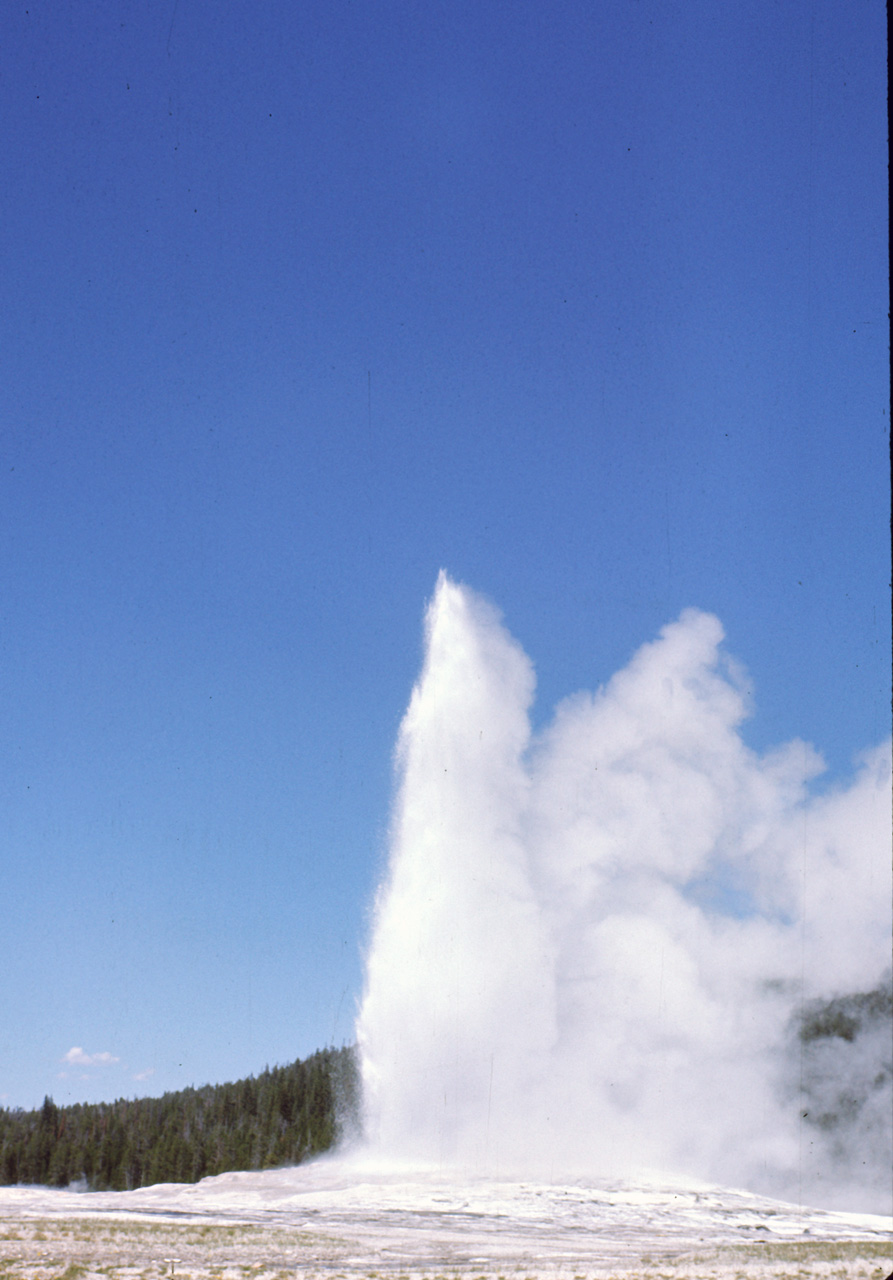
(585, 303)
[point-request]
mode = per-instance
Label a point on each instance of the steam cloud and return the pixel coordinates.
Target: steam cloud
(629, 943)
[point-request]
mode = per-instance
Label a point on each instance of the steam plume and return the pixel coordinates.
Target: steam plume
(606, 949)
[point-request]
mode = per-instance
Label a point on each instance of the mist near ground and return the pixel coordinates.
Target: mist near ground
(627, 943)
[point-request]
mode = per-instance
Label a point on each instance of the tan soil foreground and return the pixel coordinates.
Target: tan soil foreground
(286, 1225)
(105, 1248)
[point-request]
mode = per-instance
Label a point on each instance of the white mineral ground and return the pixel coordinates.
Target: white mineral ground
(339, 1217)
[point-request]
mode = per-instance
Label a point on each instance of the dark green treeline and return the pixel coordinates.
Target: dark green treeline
(282, 1116)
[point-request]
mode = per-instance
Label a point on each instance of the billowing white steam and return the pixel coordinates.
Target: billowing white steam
(594, 947)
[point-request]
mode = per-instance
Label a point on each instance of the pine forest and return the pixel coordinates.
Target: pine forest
(282, 1116)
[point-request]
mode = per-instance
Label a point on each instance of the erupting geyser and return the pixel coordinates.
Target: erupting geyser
(628, 943)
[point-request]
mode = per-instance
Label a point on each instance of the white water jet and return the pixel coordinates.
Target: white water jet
(598, 951)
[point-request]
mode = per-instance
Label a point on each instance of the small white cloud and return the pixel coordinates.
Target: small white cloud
(77, 1058)
(144, 1075)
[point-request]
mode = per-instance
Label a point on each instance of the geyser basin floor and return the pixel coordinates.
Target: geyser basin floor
(339, 1218)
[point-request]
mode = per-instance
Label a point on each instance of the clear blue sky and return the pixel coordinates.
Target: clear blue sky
(585, 303)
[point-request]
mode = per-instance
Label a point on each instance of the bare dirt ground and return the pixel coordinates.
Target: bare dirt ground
(328, 1221)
